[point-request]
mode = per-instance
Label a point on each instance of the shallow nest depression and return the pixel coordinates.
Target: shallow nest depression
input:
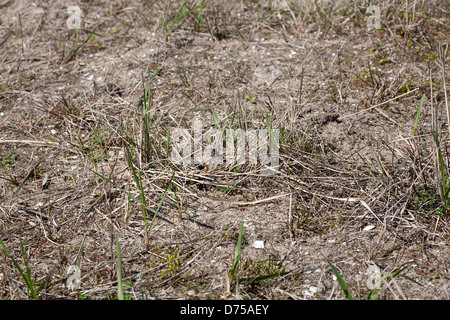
(87, 169)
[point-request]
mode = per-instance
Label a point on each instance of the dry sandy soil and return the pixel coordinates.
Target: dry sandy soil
(85, 151)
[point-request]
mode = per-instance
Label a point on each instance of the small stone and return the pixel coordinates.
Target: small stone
(258, 244)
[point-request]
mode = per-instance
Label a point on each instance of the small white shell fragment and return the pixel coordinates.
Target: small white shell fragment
(258, 244)
(310, 291)
(191, 292)
(368, 228)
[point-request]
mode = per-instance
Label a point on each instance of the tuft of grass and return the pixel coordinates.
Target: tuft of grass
(32, 289)
(171, 24)
(235, 269)
(377, 289)
(76, 50)
(173, 263)
(7, 160)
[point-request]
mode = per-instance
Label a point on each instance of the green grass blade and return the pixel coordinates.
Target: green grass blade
(119, 271)
(410, 279)
(380, 165)
(138, 181)
(216, 120)
(237, 252)
(146, 136)
(165, 191)
(418, 113)
(26, 276)
(75, 51)
(25, 261)
(177, 16)
(161, 202)
(341, 281)
(28, 279)
(444, 188)
(400, 167)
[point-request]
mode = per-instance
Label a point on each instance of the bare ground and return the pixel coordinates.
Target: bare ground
(357, 184)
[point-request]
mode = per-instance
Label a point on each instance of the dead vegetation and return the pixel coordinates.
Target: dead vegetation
(85, 149)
